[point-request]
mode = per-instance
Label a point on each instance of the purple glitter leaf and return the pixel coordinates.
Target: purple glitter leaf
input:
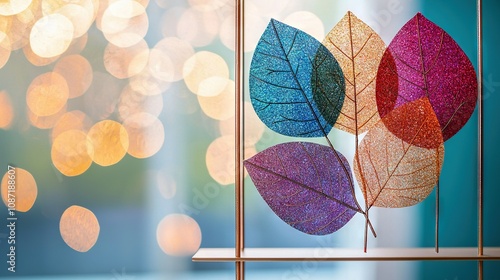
(305, 185)
(424, 61)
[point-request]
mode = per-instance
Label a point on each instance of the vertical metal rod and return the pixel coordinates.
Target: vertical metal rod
(239, 196)
(480, 182)
(436, 241)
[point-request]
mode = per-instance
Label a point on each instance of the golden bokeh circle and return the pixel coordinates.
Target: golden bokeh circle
(80, 16)
(75, 119)
(47, 94)
(77, 71)
(22, 187)
(124, 23)
(146, 135)
(12, 7)
(79, 228)
(220, 106)
(126, 62)
(110, 142)
(51, 35)
(5, 49)
(6, 110)
(147, 84)
(45, 122)
(168, 57)
(72, 152)
(201, 66)
(219, 159)
(178, 235)
(35, 59)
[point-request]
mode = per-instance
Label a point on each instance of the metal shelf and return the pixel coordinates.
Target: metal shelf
(239, 254)
(344, 254)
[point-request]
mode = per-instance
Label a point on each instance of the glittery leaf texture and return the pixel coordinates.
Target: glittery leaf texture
(287, 67)
(305, 184)
(358, 49)
(394, 172)
(409, 98)
(424, 61)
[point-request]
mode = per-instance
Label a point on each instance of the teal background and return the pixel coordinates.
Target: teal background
(458, 224)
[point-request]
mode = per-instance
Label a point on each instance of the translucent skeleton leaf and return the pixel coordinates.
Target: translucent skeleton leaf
(305, 184)
(288, 68)
(397, 173)
(358, 49)
(424, 61)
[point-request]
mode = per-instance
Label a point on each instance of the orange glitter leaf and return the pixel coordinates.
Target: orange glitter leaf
(358, 49)
(396, 173)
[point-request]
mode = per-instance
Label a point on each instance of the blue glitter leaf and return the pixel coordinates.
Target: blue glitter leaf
(305, 185)
(289, 71)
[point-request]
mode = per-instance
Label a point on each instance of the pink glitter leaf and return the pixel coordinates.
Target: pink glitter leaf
(424, 61)
(305, 185)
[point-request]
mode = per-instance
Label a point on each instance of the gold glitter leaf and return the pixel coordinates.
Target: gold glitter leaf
(396, 173)
(358, 49)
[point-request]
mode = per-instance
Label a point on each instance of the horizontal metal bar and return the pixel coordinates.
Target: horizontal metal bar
(344, 254)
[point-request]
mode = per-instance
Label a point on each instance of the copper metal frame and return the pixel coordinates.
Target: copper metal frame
(239, 254)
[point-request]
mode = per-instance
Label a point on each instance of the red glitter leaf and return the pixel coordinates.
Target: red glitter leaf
(415, 123)
(426, 62)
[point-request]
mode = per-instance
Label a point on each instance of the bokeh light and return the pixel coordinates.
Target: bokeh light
(220, 159)
(132, 102)
(51, 35)
(146, 135)
(79, 228)
(80, 16)
(197, 27)
(307, 22)
(72, 152)
(147, 83)
(77, 72)
(6, 110)
(220, 106)
(25, 188)
(35, 59)
(170, 19)
(201, 66)
(178, 235)
(124, 23)
(47, 94)
(45, 122)
(5, 48)
(168, 57)
(75, 119)
(126, 62)
(109, 140)
(12, 7)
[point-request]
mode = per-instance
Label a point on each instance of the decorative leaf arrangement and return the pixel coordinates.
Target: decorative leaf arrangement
(409, 98)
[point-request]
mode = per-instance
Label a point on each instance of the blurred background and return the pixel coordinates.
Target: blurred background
(119, 115)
